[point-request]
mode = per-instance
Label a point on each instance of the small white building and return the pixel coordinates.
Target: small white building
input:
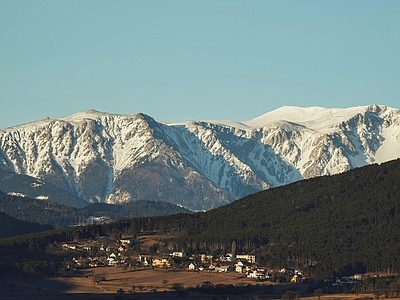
(178, 254)
(247, 257)
(258, 274)
(242, 267)
(126, 241)
(112, 259)
(227, 258)
(359, 277)
(223, 269)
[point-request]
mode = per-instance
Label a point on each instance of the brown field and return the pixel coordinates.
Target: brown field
(148, 284)
(145, 280)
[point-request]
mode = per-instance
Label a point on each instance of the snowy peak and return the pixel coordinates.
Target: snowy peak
(95, 115)
(114, 158)
(316, 118)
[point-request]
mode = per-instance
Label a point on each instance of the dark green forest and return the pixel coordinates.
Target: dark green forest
(329, 226)
(10, 226)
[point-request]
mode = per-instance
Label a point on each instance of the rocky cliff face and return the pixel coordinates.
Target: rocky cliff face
(200, 165)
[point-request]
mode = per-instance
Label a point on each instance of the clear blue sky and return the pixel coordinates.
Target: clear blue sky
(192, 60)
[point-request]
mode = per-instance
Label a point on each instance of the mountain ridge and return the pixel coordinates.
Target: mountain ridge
(116, 158)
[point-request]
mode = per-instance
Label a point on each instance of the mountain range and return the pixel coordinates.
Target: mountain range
(200, 165)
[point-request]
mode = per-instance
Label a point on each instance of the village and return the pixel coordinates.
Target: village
(122, 253)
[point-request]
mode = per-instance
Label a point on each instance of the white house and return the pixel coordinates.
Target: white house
(258, 274)
(252, 274)
(240, 268)
(250, 258)
(112, 259)
(126, 241)
(178, 254)
(146, 262)
(228, 258)
(223, 269)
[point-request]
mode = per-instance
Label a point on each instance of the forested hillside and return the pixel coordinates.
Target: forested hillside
(140, 208)
(10, 226)
(60, 215)
(333, 225)
(345, 223)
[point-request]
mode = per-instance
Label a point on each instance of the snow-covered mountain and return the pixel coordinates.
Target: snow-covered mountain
(200, 165)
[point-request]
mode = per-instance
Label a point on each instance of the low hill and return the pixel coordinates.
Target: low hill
(60, 215)
(41, 211)
(10, 226)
